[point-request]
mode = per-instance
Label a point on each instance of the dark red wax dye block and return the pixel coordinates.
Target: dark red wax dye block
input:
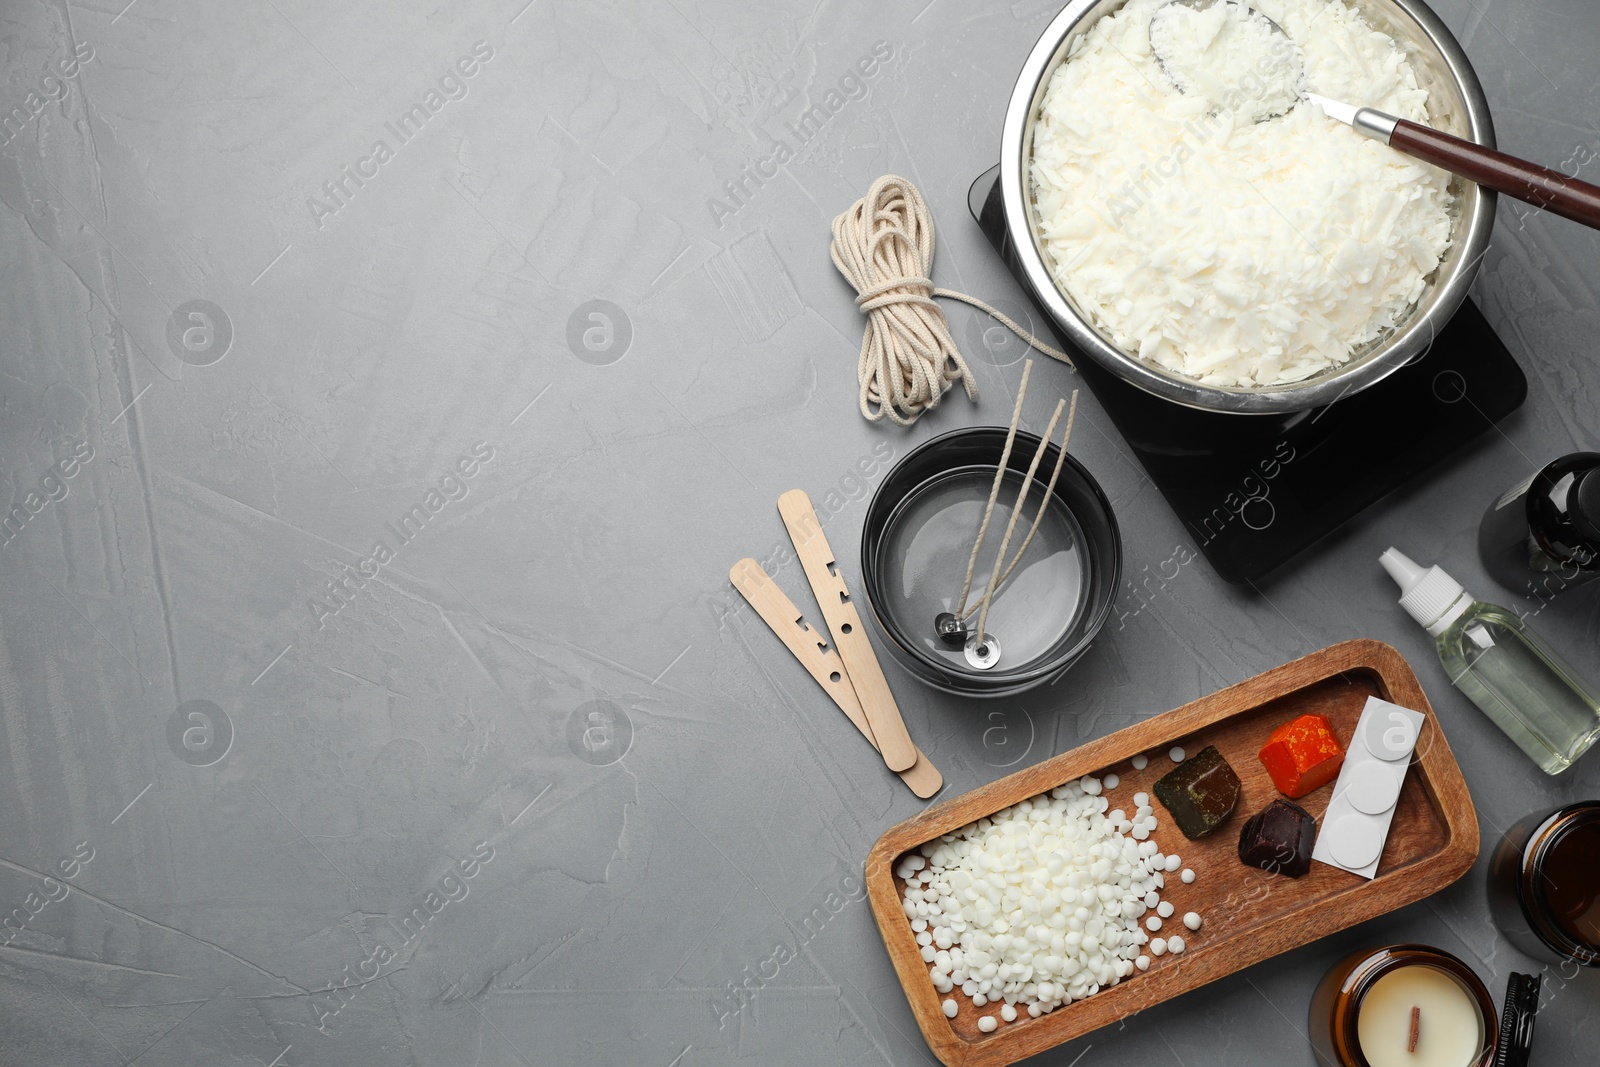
(1278, 839)
(1200, 792)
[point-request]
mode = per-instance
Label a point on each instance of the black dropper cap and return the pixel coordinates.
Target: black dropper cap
(1585, 504)
(1516, 1021)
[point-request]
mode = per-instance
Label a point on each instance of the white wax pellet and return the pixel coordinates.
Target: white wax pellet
(950, 1008)
(1165, 909)
(1090, 785)
(979, 1001)
(928, 952)
(1111, 781)
(924, 939)
(1158, 947)
(1191, 919)
(1151, 899)
(1174, 944)
(1187, 876)
(916, 863)
(987, 1024)
(1034, 1011)
(1140, 761)
(919, 925)
(1117, 815)
(1008, 1013)
(1173, 862)
(1143, 963)
(1141, 800)
(1139, 832)
(1176, 755)
(1153, 923)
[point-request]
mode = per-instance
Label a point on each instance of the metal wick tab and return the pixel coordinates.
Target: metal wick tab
(951, 630)
(983, 652)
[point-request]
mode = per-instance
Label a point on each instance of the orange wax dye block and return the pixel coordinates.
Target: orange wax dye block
(1303, 755)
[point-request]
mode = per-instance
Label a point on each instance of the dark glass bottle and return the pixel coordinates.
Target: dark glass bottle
(1544, 885)
(1544, 535)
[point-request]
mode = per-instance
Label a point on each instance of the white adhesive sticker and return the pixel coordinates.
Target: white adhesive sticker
(1373, 788)
(1390, 733)
(1356, 841)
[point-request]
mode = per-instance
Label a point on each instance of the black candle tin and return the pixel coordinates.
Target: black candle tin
(918, 536)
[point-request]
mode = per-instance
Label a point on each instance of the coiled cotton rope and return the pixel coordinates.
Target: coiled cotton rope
(883, 245)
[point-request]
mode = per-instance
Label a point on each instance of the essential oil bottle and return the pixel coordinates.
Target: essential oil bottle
(1543, 536)
(1537, 698)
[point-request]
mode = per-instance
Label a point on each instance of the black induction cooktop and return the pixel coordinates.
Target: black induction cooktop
(1257, 490)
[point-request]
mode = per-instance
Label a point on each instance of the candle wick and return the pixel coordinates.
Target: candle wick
(1416, 1028)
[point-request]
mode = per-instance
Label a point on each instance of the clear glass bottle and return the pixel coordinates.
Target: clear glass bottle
(1511, 673)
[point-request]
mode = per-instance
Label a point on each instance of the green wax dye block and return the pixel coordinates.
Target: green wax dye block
(1200, 792)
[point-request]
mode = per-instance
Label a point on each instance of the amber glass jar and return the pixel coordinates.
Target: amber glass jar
(1544, 884)
(1336, 1005)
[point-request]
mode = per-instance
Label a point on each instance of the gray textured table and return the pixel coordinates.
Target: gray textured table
(320, 804)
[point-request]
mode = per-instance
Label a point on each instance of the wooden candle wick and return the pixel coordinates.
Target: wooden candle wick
(1416, 1028)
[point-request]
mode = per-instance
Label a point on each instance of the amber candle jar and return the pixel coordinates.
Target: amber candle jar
(1544, 884)
(1335, 1023)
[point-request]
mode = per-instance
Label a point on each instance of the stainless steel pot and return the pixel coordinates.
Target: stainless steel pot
(1456, 104)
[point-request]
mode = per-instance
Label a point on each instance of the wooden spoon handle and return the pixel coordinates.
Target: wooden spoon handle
(1540, 186)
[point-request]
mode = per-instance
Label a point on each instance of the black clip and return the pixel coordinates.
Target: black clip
(1516, 1020)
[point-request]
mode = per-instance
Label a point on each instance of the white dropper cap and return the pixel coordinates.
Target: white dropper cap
(1431, 596)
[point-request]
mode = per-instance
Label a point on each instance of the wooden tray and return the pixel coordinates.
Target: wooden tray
(1249, 915)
